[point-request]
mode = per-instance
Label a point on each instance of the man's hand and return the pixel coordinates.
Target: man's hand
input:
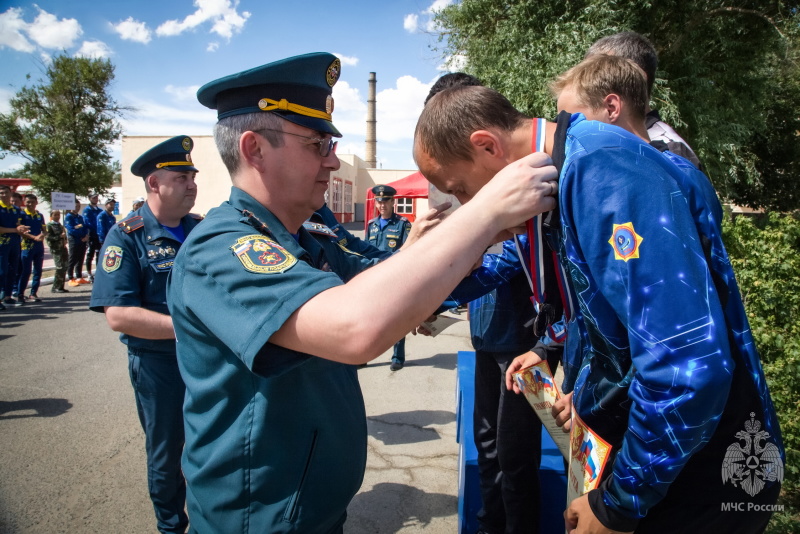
(430, 220)
(422, 330)
(562, 411)
(22, 229)
(579, 519)
(521, 190)
(520, 362)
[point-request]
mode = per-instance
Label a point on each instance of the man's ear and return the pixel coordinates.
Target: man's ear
(252, 150)
(152, 182)
(486, 143)
(612, 105)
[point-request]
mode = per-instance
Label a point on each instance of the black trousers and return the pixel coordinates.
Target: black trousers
(77, 251)
(508, 438)
(93, 253)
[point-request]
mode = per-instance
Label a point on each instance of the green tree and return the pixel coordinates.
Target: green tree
(63, 127)
(765, 254)
(727, 78)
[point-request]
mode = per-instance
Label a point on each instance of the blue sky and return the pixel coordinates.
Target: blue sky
(164, 51)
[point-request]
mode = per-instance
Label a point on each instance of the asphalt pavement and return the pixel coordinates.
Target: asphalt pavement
(72, 450)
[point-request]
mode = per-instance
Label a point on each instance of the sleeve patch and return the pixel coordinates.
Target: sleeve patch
(625, 242)
(260, 254)
(112, 259)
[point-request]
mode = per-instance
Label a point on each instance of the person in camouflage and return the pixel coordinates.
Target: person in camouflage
(56, 237)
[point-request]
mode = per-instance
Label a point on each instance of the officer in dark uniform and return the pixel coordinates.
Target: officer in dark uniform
(388, 232)
(130, 288)
(271, 320)
(325, 216)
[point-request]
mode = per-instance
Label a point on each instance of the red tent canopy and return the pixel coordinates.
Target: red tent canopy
(412, 186)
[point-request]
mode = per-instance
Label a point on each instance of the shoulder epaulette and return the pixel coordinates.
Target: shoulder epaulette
(320, 229)
(404, 219)
(131, 223)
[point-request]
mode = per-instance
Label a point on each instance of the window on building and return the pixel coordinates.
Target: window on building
(404, 205)
(348, 197)
(337, 196)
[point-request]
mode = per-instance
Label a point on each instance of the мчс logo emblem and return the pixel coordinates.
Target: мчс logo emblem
(753, 462)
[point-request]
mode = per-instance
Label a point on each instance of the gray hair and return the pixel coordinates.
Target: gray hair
(228, 131)
(633, 46)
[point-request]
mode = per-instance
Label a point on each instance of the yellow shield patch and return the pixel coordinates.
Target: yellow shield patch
(112, 259)
(259, 254)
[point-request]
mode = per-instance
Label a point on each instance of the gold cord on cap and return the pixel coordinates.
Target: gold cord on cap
(267, 104)
(171, 163)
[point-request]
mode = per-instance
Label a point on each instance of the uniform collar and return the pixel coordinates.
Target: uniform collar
(241, 200)
(152, 228)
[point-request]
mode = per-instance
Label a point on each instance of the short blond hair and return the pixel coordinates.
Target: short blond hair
(598, 76)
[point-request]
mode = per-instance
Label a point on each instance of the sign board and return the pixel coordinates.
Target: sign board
(62, 201)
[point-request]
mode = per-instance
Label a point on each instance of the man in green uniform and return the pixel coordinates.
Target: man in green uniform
(271, 320)
(131, 290)
(56, 237)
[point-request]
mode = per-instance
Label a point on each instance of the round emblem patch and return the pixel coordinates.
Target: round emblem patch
(112, 259)
(392, 243)
(259, 254)
(333, 72)
(186, 144)
(625, 242)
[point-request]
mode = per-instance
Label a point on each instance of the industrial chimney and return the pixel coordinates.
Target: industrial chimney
(372, 140)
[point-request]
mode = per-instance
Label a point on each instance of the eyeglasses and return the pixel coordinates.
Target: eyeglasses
(325, 145)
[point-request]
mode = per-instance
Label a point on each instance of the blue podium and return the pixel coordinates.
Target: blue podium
(551, 470)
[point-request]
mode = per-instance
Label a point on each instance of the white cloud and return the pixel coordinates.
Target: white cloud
(411, 23)
(155, 118)
(347, 60)
(46, 30)
(399, 109)
(350, 110)
(454, 63)
(94, 50)
(5, 100)
(222, 13)
(11, 28)
(438, 5)
(133, 30)
(181, 94)
(212, 46)
(49, 32)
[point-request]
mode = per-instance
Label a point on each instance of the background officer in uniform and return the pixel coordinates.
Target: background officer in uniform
(130, 288)
(388, 231)
(271, 321)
